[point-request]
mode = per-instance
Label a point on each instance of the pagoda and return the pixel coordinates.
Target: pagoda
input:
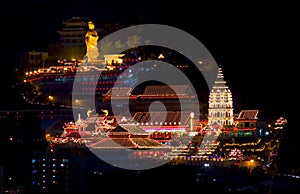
(220, 110)
(73, 34)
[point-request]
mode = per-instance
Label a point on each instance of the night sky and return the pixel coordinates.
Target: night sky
(250, 40)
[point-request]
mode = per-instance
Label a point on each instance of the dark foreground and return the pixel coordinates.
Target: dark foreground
(188, 178)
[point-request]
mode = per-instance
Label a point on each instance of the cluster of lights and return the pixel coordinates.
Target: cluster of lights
(244, 144)
(160, 123)
(68, 140)
(280, 123)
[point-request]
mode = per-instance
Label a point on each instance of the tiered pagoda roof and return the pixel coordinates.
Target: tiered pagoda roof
(76, 20)
(220, 109)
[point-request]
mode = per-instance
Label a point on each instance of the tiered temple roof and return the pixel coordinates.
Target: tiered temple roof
(127, 136)
(119, 91)
(162, 118)
(164, 90)
(157, 91)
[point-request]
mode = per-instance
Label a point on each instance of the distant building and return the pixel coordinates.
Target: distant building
(247, 119)
(245, 125)
(50, 174)
(142, 98)
(220, 109)
(73, 33)
(32, 60)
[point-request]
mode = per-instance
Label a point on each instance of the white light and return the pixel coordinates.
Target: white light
(267, 132)
(192, 114)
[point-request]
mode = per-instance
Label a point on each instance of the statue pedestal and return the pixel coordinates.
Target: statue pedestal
(95, 64)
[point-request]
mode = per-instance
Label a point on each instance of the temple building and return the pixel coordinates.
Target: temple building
(73, 33)
(32, 60)
(247, 119)
(220, 110)
(245, 126)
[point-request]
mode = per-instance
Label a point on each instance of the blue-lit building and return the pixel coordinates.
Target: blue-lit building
(62, 171)
(50, 174)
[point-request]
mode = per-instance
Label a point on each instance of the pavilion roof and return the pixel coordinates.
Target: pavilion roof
(163, 90)
(178, 117)
(130, 129)
(248, 114)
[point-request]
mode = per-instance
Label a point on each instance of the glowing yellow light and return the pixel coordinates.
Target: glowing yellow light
(120, 61)
(161, 56)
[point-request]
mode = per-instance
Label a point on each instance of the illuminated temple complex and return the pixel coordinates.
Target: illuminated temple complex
(219, 134)
(152, 121)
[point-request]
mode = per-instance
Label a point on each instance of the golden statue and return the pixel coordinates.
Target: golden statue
(91, 41)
